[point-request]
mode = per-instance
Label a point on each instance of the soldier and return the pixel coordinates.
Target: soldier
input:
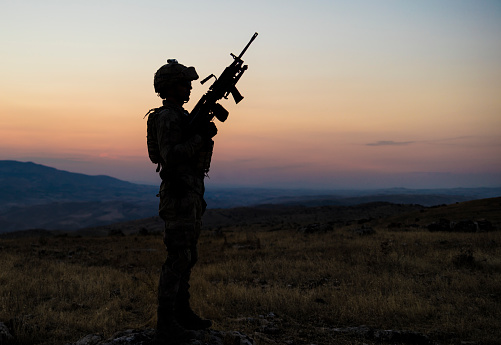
(183, 155)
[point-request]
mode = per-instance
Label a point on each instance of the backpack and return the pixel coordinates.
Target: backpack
(151, 138)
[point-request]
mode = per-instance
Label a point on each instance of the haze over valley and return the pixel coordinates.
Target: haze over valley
(34, 196)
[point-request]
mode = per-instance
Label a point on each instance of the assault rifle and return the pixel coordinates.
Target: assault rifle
(207, 107)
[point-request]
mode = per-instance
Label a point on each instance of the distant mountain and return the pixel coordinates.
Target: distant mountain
(37, 196)
(236, 197)
(23, 184)
(34, 196)
(385, 215)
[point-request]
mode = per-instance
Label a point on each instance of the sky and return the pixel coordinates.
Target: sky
(338, 94)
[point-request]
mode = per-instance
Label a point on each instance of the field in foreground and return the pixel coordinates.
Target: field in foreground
(272, 282)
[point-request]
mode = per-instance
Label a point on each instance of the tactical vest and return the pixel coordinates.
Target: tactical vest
(202, 160)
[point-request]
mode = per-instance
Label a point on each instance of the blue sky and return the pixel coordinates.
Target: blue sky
(338, 94)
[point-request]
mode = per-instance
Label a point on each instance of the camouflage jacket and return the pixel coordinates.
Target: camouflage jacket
(179, 149)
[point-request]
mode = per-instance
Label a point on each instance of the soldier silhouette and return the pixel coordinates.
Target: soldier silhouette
(183, 156)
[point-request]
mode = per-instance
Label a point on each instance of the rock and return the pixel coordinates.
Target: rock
(364, 230)
(461, 226)
(263, 339)
(485, 225)
(465, 226)
(5, 335)
(116, 232)
(236, 338)
(90, 339)
(391, 336)
(441, 225)
(407, 337)
(361, 331)
(145, 337)
(315, 228)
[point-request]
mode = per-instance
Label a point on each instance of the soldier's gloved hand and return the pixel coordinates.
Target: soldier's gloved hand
(206, 129)
(211, 130)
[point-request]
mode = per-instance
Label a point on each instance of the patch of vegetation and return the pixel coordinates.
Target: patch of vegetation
(272, 283)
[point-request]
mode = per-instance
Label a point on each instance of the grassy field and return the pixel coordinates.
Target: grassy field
(273, 284)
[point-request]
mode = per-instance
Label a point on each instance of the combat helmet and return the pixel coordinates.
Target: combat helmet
(171, 73)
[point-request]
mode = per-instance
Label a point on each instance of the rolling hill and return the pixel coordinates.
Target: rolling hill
(34, 196)
(37, 196)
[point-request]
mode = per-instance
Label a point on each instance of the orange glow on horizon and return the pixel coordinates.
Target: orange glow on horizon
(356, 88)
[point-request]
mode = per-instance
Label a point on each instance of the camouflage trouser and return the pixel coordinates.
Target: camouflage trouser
(182, 213)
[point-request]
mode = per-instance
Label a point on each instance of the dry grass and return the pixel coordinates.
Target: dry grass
(55, 290)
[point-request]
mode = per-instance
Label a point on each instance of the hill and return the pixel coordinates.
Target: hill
(225, 197)
(34, 196)
(37, 196)
(321, 218)
(23, 184)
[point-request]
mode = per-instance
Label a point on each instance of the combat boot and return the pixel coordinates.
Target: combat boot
(187, 318)
(170, 332)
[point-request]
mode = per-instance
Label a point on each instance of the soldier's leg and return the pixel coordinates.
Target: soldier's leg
(176, 266)
(193, 208)
(177, 212)
(184, 314)
(182, 216)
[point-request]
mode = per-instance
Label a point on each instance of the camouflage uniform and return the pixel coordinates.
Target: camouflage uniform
(181, 204)
(183, 156)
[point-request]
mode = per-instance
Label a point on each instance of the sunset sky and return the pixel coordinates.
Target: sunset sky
(338, 94)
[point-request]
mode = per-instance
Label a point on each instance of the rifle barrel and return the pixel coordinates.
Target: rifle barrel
(248, 44)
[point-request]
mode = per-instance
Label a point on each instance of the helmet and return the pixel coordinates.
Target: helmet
(171, 73)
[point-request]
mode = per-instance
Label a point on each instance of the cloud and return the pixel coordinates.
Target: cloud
(390, 143)
(470, 141)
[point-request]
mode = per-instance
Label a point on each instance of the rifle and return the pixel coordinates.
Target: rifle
(207, 107)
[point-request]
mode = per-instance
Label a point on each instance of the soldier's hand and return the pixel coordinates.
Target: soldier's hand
(211, 130)
(206, 129)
